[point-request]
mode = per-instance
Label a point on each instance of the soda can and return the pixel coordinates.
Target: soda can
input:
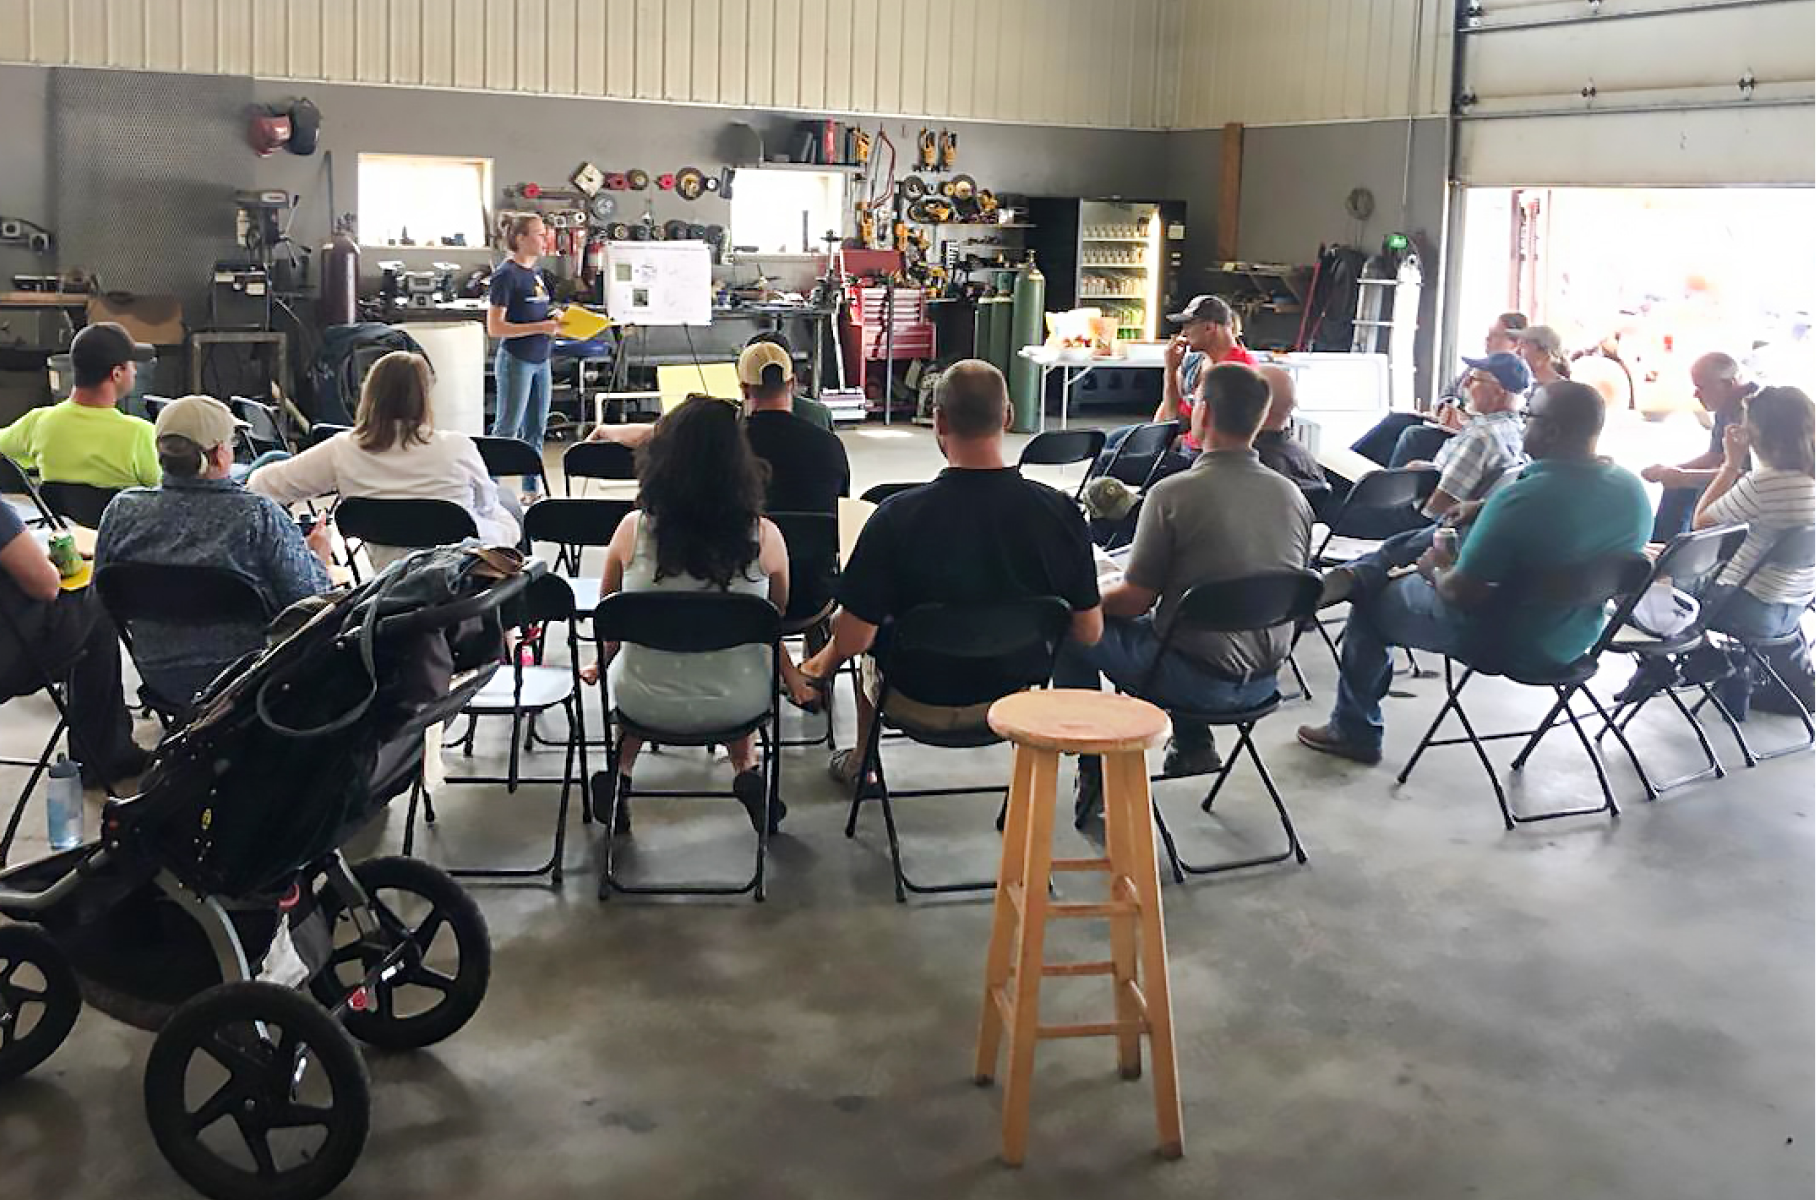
(63, 555)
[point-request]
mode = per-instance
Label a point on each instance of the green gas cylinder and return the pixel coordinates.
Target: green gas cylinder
(1028, 328)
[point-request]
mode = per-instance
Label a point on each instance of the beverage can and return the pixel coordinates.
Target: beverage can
(1446, 540)
(63, 555)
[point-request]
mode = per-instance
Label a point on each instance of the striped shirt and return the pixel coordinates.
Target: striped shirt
(1471, 462)
(1768, 502)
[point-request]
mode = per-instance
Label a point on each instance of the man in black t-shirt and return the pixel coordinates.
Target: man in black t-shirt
(808, 471)
(977, 533)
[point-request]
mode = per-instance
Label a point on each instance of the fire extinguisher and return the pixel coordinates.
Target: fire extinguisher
(595, 258)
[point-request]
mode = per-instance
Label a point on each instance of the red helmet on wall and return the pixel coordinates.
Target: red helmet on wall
(269, 130)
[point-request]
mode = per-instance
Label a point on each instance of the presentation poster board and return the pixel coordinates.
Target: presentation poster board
(659, 283)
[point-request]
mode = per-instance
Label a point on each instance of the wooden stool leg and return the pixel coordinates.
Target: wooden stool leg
(1003, 930)
(1119, 842)
(1025, 987)
(1131, 776)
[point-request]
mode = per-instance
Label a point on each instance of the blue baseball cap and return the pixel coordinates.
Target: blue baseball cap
(1509, 370)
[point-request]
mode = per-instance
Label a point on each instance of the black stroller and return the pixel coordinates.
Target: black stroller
(217, 910)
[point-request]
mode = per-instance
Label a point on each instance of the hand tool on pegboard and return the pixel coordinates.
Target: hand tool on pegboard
(948, 150)
(929, 157)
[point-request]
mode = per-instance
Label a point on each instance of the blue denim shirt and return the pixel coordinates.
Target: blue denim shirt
(214, 523)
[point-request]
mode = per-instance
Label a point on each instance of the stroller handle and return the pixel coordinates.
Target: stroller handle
(443, 615)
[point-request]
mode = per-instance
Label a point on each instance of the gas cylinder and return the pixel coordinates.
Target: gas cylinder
(340, 281)
(1028, 329)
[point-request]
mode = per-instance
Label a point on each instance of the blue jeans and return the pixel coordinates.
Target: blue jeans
(523, 403)
(1745, 615)
(1126, 653)
(1407, 612)
(1399, 438)
(1675, 508)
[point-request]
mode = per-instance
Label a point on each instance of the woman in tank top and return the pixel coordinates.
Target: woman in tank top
(700, 529)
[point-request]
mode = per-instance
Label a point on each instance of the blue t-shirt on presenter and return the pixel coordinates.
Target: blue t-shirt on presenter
(519, 290)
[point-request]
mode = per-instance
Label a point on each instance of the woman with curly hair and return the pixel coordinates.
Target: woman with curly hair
(700, 528)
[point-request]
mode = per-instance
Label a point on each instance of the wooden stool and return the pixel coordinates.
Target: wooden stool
(1043, 725)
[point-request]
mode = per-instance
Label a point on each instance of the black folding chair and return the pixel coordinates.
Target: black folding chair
(1375, 494)
(15, 482)
(813, 574)
(1691, 562)
(1063, 448)
(1138, 455)
(321, 432)
(523, 693)
(1252, 604)
(507, 456)
(1794, 550)
(1004, 632)
(596, 460)
(411, 524)
(185, 596)
(155, 405)
(882, 491)
(1620, 579)
(82, 503)
(264, 431)
(691, 623)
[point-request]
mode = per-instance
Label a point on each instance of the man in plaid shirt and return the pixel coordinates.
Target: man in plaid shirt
(1490, 443)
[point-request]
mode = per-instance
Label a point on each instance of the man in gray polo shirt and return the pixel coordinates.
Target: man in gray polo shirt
(1225, 518)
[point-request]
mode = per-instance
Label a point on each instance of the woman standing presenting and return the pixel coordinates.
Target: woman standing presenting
(519, 318)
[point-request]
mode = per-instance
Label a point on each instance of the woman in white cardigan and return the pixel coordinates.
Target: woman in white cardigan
(393, 452)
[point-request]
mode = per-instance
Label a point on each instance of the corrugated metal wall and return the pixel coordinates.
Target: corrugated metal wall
(1265, 62)
(1071, 62)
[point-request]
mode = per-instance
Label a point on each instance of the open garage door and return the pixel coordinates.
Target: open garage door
(1622, 93)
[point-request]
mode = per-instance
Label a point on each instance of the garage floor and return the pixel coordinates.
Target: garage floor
(1431, 1008)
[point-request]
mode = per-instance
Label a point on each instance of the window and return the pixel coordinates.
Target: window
(786, 212)
(423, 200)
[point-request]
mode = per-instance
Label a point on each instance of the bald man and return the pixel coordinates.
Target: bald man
(1723, 389)
(1280, 451)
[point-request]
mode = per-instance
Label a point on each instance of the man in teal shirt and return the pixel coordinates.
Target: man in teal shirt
(1568, 507)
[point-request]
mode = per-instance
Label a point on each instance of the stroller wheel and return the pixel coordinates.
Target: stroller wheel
(39, 999)
(253, 1092)
(432, 936)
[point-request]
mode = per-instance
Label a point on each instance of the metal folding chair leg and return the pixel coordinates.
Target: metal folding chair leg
(872, 762)
(1293, 850)
(1618, 724)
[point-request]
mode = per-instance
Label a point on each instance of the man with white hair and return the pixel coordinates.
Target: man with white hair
(1723, 389)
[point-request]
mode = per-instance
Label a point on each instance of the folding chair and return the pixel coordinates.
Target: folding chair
(596, 460)
(1005, 632)
(1252, 604)
(1793, 551)
(1063, 448)
(190, 597)
(691, 623)
(155, 405)
(1691, 562)
(1138, 455)
(14, 482)
(321, 432)
(813, 573)
(573, 526)
(507, 456)
(525, 692)
(878, 493)
(1376, 493)
(410, 524)
(264, 431)
(1618, 578)
(82, 503)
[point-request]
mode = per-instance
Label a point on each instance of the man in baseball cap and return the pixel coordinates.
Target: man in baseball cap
(1207, 337)
(199, 517)
(808, 470)
(86, 438)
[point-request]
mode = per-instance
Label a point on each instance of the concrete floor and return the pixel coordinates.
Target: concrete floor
(1431, 1008)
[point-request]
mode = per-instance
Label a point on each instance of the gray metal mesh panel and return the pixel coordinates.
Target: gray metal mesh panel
(146, 168)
